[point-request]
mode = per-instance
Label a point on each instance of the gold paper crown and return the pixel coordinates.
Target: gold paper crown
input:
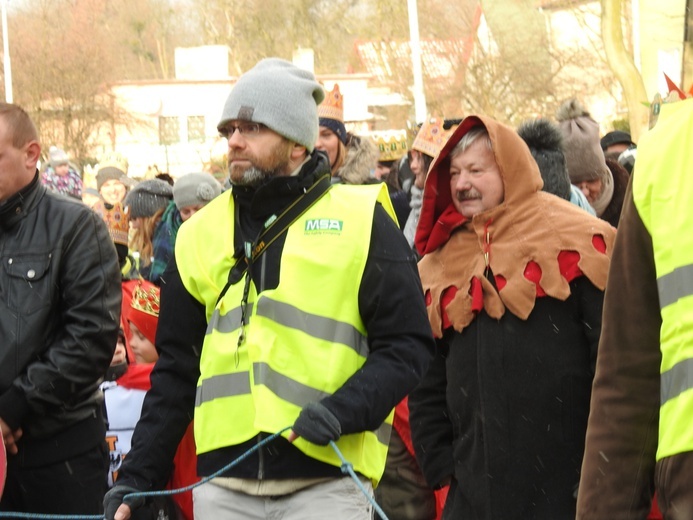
(146, 299)
(117, 221)
(431, 137)
(391, 145)
(114, 160)
(332, 106)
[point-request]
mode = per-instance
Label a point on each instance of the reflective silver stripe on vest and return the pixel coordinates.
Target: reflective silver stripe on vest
(319, 327)
(300, 394)
(676, 380)
(228, 322)
(284, 387)
(226, 385)
(675, 285)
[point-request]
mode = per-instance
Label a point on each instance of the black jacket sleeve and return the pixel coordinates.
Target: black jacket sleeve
(168, 406)
(401, 344)
(431, 429)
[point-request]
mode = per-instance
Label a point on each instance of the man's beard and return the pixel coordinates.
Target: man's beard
(262, 169)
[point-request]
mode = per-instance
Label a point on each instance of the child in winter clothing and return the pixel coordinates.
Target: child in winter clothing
(124, 397)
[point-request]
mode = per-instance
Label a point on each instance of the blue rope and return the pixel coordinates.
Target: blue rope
(347, 468)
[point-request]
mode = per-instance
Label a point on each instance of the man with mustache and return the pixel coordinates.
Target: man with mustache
(291, 303)
(513, 279)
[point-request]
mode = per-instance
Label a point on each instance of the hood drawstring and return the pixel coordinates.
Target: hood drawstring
(487, 247)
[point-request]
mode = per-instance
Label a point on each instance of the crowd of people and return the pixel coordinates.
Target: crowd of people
(487, 322)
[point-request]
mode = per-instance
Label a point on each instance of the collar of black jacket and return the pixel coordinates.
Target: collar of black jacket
(18, 204)
(278, 192)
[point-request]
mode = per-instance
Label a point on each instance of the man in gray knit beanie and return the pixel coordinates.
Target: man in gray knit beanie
(274, 95)
(277, 290)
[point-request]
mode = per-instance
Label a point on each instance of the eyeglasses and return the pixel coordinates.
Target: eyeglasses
(245, 129)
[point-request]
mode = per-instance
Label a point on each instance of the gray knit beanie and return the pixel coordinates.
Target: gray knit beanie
(279, 95)
(195, 189)
(147, 197)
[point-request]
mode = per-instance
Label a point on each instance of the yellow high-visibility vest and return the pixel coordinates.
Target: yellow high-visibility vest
(663, 196)
(302, 340)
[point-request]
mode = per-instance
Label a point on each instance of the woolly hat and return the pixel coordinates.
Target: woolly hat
(112, 166)
(144, 309)
(331, 113)
(545, 143)
(195, 189)
(279, 95)
(57, 156)
(583, 153)
(147, 197)
(615, 137)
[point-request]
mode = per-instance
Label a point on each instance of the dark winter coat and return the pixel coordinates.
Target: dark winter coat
(503, 410)
(59, 316)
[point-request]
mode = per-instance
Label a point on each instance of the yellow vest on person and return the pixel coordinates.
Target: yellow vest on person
(663, 196)
(302, 340)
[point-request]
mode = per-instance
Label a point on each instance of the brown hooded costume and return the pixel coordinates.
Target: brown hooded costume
(503, 409)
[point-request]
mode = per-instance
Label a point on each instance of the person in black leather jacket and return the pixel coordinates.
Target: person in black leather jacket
(59, 314)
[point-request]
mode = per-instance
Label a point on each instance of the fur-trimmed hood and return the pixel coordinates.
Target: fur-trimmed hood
(361, 158)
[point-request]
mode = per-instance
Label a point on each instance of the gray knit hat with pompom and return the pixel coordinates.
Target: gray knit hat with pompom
(195, 189)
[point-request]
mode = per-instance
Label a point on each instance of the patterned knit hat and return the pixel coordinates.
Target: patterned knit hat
(331, 113)
(112, 166)
(195, 189)
(147, 197)
(144, 309)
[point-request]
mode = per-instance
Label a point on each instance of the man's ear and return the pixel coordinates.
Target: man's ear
(33, 153)
(298, 152)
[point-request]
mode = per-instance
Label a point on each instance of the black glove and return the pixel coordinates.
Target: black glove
(114, 497)
(317, 424)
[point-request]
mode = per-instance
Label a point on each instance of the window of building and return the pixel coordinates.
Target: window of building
(196, 129)
(169, 130)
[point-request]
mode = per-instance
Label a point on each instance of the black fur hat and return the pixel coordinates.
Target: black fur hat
(545, 142)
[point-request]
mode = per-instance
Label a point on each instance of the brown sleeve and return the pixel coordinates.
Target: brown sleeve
(618, 467)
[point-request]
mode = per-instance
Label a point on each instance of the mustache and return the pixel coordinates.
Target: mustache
(467, 194)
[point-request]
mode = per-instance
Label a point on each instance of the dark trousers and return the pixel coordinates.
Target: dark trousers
(402, 492)
(73, 486)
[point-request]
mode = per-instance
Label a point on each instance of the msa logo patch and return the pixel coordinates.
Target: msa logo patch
(323, 225)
